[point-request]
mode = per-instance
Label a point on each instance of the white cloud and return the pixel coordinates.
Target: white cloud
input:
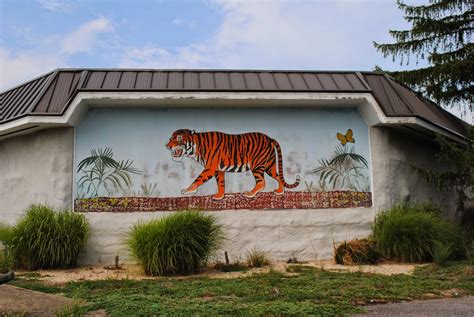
(279, 35)
(154, 56)
(186, 23)
(85, 37)
(51, 52)
(178, 21)
(53, 5)
(17, 68)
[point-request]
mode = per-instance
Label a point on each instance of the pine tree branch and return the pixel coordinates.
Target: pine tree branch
(446, 83)
(435, 9)
(441, 33)
(423, 27)
(465, 52)
(418, 46)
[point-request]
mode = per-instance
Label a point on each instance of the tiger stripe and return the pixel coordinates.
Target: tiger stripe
(220, 152)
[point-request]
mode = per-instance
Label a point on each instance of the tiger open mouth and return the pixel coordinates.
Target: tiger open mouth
(177, 153)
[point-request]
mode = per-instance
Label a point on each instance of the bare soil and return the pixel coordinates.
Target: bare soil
(132, 271)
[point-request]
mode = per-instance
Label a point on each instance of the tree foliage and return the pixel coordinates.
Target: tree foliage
(441, 33)
(461, 175)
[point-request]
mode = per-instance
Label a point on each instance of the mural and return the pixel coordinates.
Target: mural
(346, 168)
(154, 160)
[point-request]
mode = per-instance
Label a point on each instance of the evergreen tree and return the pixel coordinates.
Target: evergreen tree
(459, 178)
(441, 33)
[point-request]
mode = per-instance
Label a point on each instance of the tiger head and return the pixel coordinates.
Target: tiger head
(181, 144)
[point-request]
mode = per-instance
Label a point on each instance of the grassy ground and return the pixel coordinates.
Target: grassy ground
(307, 291)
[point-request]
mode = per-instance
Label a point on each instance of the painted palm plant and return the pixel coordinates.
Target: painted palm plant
(346, 169)
(101, 170)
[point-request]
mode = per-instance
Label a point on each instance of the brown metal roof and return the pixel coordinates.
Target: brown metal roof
(397, 100)
(18, 101)
(51, 93)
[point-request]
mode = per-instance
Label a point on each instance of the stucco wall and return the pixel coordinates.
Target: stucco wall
(35, 168)
(304, 234)
(394, 153)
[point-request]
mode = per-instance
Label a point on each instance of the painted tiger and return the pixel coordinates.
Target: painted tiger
(221, 153)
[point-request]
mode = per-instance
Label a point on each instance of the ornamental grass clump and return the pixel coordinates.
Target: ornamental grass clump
(177, 244)
(45, 238)
(414, 232)
(257, 258)
(6, 258)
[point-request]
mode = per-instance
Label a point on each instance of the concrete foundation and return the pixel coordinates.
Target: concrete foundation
(284, 234)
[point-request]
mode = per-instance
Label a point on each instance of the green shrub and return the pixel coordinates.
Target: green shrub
(43, 238)
(6, 258)
(441, 253)
(176, 244)
(411, 232)
(257, 258)
(6, 234)
(357, 251)
(6, 261)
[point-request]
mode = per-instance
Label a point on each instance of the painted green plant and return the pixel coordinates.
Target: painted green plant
(149, 190)
(346, 169)
(101, 171)
(145, 190)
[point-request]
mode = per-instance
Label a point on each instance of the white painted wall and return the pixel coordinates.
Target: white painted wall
(394, 153)
(37, 168)
(304, 234)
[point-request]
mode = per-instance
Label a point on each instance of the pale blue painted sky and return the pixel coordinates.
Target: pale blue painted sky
(37, 36)
(305, 136)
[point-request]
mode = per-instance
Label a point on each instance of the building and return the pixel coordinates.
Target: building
(289, 161)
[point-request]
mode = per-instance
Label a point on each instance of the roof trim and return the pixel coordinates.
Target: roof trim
(214, 70)
(51, 97)
(368, 107)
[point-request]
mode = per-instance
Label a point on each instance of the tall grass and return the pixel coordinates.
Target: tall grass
(6, 234)
(176, 244)
(257, 258)
(6, 257)
(43, 238)
(412, 232)
(442, 253)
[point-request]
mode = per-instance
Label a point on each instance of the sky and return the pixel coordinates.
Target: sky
(37, 36)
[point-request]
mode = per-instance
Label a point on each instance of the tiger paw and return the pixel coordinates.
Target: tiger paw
(218, 196)
(249, 194)
(279, 191)
(188, 192)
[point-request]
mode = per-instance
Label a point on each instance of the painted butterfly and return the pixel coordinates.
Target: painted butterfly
(346, 138)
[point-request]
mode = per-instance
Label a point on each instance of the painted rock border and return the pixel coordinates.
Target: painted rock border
(231, 201)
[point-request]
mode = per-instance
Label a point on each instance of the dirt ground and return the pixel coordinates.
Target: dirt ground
(130, 271)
